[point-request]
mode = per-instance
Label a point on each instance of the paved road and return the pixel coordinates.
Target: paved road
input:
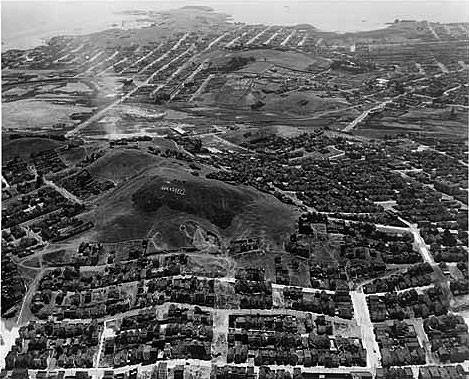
(419, 242)
(112, 66)
(202, 87)
(133, 64)
(285, 41)
(28, 297)
(366, 113)
(100, 63)
(189, 79)
(362, 315)
(430, 28)
(176, 72)
(272, 37)
(257, 36)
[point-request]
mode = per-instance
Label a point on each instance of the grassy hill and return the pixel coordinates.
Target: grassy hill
(293, 103)
(217, 204)
(264, 58)
(119, 164)
(301, 103)
(153, 204)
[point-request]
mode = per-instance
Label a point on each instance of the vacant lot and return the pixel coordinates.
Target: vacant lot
(33, 114)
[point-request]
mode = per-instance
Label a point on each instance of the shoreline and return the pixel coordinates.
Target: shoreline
(43, 38)
(140, 16)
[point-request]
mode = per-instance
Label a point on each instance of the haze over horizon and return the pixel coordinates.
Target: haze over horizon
(30, 23)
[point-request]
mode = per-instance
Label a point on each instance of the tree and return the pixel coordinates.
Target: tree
(448, 238)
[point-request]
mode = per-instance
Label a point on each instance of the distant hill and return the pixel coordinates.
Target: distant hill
(198, 7)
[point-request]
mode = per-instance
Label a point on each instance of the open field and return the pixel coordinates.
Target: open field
(433, 122)
(38, 115)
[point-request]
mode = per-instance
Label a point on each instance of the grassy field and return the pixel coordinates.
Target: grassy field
(429, 121)
(34, 114)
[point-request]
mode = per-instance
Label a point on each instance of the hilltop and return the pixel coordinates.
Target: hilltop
(165, 198)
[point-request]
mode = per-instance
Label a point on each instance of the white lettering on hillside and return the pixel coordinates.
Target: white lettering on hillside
(177, 191)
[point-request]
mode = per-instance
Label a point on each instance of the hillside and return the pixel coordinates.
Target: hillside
(160, 200)
(23, 147)
(264, 58)
(301, 103)
(217, 204)
(119, 164)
